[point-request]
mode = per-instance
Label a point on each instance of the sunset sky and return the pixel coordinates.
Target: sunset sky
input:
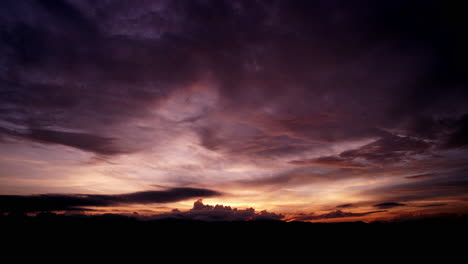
(311, 110)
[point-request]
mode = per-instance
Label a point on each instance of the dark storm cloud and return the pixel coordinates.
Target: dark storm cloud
(388, 205)
(344, 205)
(58, 202)
(202, 212)
(333, 214)
(62, 69)
(306, 69)
(328, 71)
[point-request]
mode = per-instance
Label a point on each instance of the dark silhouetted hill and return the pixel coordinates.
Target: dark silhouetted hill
(48, 236)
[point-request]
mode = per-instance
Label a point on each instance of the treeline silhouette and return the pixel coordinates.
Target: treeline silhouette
(49, 236)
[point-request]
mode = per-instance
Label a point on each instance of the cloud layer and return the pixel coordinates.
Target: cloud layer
(279, 103)
(210, 213)
(330, 215)
(66, 202)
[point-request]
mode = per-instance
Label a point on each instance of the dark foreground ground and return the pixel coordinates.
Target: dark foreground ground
(64, 239)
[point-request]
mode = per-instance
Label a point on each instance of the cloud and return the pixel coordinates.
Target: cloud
(388, 205)
(433, 205)
(333, 214)
(165, 196)
(202, 212)
(87, 142)
(96, 66)
(329, 161)
(386, 150)
(421, 176)
(59, 202)
(458, 135)
(273, 83)
(389, 148)
(428, 175)
(296, 176)
(96, 144)
(344, 205)
(452, 185)
(94, 86)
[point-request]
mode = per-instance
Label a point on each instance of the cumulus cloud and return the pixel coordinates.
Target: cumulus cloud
(203, 212)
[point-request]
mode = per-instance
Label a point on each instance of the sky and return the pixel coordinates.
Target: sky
(297, 110)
